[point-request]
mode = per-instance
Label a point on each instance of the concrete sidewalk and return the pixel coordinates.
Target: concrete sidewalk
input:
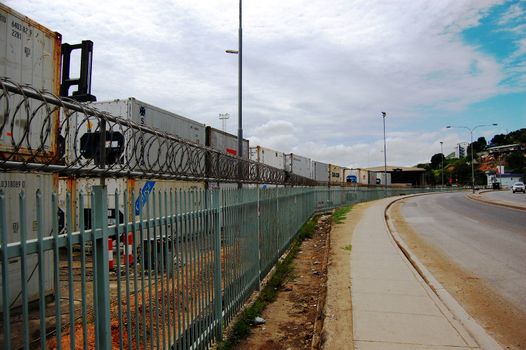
(392, 307)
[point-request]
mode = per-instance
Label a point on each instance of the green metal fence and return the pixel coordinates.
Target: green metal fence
(170, 274)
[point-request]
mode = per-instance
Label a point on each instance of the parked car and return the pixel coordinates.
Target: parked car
(518, 187)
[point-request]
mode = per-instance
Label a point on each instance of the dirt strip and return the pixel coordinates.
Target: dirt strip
(294, 318)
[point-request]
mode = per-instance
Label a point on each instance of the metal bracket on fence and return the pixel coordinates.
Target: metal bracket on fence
(102, 278)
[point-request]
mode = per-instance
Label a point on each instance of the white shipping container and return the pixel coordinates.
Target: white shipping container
(268, 156)
(143, 114)
(320, 171)
(298, 165)
(12, 183)
(29, 54)
(380, 178)
(149, 115)
(372, 178)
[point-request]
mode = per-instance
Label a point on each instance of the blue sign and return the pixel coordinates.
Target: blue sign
(352, 179)
(143, 196)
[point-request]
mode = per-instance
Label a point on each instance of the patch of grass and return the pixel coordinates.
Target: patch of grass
(348, 247)
(340, 213)
(241, 328)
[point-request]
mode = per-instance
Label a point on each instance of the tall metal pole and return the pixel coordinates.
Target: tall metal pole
(442, 161)
(472, 165)
(385, 157)
(240, 98)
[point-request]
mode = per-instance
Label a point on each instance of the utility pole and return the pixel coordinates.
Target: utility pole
(385, 157)
(442, 162)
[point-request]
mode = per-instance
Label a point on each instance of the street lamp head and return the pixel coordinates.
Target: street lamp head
(234, 52)
(448, 127)
(494, 124)
(384, 114)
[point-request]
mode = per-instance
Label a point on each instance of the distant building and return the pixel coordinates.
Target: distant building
(506, 180)
(461, 150)
(400, 175)
(504, 149)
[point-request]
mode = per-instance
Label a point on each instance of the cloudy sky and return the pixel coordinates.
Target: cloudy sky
(316, 74)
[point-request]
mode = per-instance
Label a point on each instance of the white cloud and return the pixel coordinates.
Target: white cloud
(514, 12)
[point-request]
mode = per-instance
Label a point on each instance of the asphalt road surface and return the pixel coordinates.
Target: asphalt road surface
(487, 240)
(507, 196)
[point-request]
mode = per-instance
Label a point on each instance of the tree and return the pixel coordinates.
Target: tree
(436, 161)
(516, 161)
(499, 140)
(481, 144)
(478, 146)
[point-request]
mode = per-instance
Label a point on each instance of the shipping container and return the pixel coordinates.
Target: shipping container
(336, 175)
(155, 117)
(351, 176)
(372, 178)
(363, 177)
(225, 142)
(320, 172)
(268, 156)
(298, 165)
(380, 178)
(134, 149)
(29, 54)
(12, 184)
(141, 188)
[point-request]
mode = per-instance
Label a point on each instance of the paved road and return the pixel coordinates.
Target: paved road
(486, 240)
(506, 196)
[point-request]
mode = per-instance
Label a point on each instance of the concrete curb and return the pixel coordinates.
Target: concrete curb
(474, 329)
(481, 199)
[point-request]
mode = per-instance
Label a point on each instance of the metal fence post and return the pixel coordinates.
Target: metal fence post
(258, 227)
(218, 202)
(102, 279)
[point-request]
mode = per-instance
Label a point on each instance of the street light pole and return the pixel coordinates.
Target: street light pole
(385, 157)
(442, 162)
(472, 151)
(239, 52)
(240, 90)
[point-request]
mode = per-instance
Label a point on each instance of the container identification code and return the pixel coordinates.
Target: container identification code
(12, 184)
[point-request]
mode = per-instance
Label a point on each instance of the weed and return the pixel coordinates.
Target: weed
(340, 213)
(348, 247)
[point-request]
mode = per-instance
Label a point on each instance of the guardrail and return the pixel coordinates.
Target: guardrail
(182, 266)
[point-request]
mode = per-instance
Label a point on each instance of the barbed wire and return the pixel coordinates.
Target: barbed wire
(43, 132)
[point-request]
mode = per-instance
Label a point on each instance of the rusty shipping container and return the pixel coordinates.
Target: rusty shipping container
(29, 54)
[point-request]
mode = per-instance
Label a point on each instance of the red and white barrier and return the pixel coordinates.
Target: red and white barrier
(111, 263)
(128, 240)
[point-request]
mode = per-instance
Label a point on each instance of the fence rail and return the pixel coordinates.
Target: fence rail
(168, 277)
(43, 132)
